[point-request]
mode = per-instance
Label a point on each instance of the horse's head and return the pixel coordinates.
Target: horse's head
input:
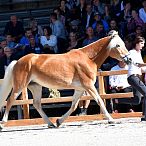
(117, 47)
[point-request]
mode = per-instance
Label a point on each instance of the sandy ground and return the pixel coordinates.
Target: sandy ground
(131, 132)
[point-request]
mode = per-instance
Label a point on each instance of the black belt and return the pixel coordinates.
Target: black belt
(135, 75)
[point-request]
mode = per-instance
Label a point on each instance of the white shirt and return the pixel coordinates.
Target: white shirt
(52, 42)
(136, 58)
(119, 80)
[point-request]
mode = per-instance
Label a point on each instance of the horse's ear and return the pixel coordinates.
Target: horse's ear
(112, 33)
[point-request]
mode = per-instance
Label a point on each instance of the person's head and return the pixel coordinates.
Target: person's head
(47, 31)
(113, 24)
(9, 38)
(139, 43)
(74, 24)
(72, 36)
(32, 40)
(90, 31)
(99, 27)
(33, 23)
(89, 8)
(53, 17)
(28, 32)
(57, 11)
(3, 42)
(62, 3)
(8, 51)
(144, 3)
(139, 30)
(97, 16)
(121, 64)
(82, 2)
(134, 13)
(13, 19)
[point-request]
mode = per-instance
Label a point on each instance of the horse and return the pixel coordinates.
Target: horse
(75, 69)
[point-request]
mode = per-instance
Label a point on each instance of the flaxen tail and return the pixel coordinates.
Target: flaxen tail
(6, 86)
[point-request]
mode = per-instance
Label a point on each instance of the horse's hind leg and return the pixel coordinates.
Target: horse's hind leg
(75, 101)
(93, 92)
(9, 104)
(37, 94)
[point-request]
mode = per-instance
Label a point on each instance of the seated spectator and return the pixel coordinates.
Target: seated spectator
(10, 42)
(142, 12)
(99, 7)
(33, 47)
(87, 17)
(77, 28)
(5, 60)
(98, 19)
(119, 84)
(99, 31)
(25, 39)
(15, 28)
(35, 28)
(113, 25)
(59, 16)
(49, 41)
(73, 42)
(134, 22)
(90, 37)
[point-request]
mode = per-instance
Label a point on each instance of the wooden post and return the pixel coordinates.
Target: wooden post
(25, 106)
(101, 87)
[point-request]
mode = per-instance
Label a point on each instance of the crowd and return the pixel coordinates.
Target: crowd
(74, 24)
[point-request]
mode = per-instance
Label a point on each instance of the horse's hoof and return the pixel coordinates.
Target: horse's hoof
(58, 123)
(114, 122)
(51, 126)
(1, 127)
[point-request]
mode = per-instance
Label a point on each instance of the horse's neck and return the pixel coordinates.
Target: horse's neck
(98, 51)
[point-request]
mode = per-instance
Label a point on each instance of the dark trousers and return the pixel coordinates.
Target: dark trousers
(139, 90)
(115, 106)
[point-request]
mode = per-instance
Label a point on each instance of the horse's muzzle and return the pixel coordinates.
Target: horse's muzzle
(127, 60)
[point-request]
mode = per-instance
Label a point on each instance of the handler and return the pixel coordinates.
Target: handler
(135, 70)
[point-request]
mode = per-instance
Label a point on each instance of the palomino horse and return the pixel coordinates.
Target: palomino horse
(76, 69)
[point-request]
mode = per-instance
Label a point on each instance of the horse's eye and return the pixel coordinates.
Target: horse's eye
(117, 45)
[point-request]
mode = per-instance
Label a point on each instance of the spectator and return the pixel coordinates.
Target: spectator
(49, 41)
(99, 7)
(90, 37)
(59, 16)
(5, 60)
(35, 28)
(97, 19)
(59, 31)
(10, 42)
(119, 84)
(25, 39)
(81, 8)
(99, 31)
(88, 17)
(73, 42)
(75, 27)
(142, 12)
(33, 47)
(134, 22)
(15, 28)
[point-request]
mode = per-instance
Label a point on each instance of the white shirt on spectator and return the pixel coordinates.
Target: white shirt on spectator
(52, 42)
(118, 80)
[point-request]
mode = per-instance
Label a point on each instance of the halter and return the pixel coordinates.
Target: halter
(127, 60)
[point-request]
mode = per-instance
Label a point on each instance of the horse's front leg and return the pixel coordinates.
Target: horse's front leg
(37, 94)
(93, 92)
(75, 101)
